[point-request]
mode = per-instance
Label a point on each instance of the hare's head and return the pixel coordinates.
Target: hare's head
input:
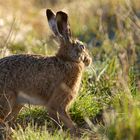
(70, 49)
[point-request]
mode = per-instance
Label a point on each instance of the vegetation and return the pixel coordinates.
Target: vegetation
(108, 105)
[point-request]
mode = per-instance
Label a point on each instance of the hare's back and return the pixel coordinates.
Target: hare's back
(23, 63)
(18, 63)
(20, 70)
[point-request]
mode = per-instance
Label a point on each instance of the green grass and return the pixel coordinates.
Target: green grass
(108, 105)
(38, 134)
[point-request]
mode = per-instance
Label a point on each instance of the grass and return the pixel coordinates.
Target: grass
(37, 134)
(108, 105)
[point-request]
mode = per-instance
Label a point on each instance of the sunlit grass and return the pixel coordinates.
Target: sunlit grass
(109, 88)
(31, 133)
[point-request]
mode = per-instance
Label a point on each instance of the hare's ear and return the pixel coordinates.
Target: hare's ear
(52, 21)
(63, 25)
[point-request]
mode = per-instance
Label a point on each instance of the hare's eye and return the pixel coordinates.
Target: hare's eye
(73, 44)
(82, 46)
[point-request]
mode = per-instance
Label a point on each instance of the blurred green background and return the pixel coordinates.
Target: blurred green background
(108, 105)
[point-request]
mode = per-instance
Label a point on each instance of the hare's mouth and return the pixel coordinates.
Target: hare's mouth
(86, 60)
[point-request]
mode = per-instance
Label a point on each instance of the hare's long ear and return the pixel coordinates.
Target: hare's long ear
(52, 21)
(63, 25)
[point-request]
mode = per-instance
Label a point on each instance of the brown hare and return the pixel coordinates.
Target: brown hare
(52, 82)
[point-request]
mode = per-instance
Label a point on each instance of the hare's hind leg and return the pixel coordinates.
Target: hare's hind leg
(7, 102)
(13, 115)
(2, 130)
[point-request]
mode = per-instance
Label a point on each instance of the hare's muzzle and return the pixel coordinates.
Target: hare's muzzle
(87, 60)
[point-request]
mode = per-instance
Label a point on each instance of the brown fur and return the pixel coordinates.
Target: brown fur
(49, 81)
